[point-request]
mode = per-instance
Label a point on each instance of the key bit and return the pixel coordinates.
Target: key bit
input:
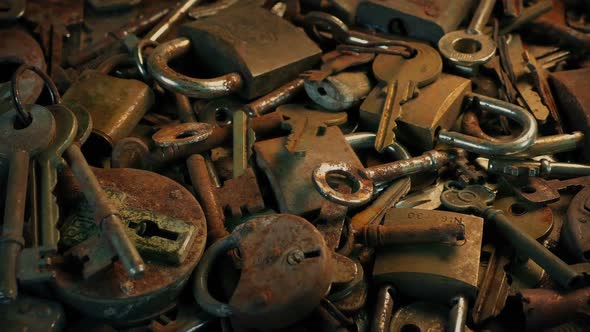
(306, 122)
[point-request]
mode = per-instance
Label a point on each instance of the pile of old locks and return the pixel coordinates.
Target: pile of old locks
(299, 165)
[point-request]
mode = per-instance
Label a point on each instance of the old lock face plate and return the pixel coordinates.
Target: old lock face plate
(296, 193)
(114, 295)
(534, 220)
(266, 50)
(286, 270)
(431, 271)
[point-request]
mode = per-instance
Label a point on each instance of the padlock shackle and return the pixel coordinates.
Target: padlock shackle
(201, 278)
(482, 146)
(185, 85)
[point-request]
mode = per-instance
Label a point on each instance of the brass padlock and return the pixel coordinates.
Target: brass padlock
(255, 51)
(437, 106)
(116, 105)
(431, 271)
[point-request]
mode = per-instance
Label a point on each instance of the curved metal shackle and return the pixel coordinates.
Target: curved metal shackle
(200, 287)
(495, 148)
(189, 86)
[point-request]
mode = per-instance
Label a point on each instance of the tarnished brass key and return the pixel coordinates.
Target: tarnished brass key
(404, 80)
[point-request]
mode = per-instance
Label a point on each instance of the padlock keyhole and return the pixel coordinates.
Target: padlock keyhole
(148, 228)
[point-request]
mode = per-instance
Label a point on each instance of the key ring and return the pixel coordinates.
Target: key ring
(341, 34)
(138, 56)
(23, 115)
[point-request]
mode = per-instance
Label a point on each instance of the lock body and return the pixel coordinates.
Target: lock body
(116, 106)
(437, 106)
(171, 243)
(424, 20)
(431, 271)
(296, 193)
(266, 50)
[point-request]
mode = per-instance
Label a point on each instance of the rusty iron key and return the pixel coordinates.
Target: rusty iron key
(106, 214)
(364, 179)
(19, 146)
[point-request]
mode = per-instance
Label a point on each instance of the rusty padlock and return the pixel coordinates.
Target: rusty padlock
(116, 105)
(167, 225)
(286, 270)
(254, 50)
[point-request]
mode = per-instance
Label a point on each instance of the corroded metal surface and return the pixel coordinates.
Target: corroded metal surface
(114, 295)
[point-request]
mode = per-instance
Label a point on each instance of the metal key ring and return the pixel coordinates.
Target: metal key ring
(24, 115)
(362, 187)
(138, 56)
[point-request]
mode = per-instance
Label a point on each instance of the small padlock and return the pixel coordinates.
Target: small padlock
(255, 51)
(425, 20)
(116, 105)
(438, 106)
(432, 271)
(286, 270)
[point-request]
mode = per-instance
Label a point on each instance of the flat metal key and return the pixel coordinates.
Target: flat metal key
(106, 215)
(19, 146)
(48, 162)
(405, 77)
(476, 199)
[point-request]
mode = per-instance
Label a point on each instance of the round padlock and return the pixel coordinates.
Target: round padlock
(286, 270)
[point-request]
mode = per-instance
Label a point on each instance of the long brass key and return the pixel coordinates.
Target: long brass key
(404, 77)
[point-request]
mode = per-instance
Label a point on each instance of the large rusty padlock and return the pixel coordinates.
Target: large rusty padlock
(254, 50)
(286, 269)
(166, 224)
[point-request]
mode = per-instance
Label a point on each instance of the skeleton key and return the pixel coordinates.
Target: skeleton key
(307, 121)
(106, 215)
(404, 80)
(48, 161)
(19, 145)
